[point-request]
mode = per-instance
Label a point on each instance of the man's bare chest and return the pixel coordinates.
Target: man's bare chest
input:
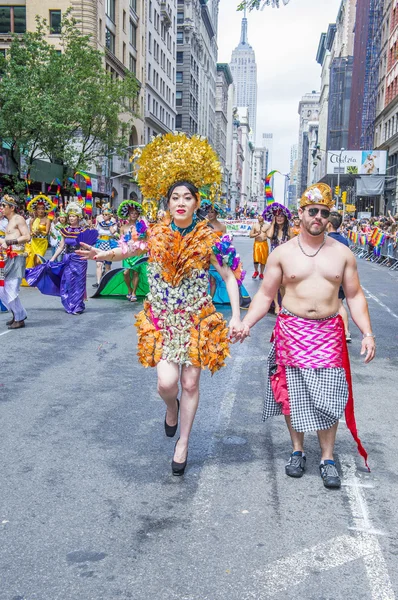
(326, 268)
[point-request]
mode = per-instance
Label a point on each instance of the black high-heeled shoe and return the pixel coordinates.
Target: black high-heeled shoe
(178, 469)
(170, 430)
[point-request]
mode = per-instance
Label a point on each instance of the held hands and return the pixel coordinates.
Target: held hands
(238, 331)
(368, 348)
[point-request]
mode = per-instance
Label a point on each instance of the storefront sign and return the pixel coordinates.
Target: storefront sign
(357, 162)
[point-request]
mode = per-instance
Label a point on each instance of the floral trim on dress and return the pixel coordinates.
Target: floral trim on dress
(179, 322)
(226, 255)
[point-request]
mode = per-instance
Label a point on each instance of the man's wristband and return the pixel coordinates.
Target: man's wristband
(11, 242)
(365, 335)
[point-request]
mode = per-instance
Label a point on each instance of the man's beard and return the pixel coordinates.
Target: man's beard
(320, 228)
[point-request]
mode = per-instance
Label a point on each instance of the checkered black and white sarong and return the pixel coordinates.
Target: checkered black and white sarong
(317, 397)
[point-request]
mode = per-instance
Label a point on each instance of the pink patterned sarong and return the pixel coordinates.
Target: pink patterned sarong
(308, 344)
(312, 344)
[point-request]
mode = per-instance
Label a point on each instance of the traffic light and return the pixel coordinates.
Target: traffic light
(344, 197)
(337, 190)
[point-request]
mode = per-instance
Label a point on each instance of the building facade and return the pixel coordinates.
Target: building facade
(309, 119)
(341, 68)
(259, 173)
(244, 72)
(160, 68)
(196, 69)
(223, 116)
(117, 29)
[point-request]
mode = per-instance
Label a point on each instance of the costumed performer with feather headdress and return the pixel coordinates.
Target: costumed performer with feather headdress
(179, 330)
(278, 233)
(66, 279)
(131, 280)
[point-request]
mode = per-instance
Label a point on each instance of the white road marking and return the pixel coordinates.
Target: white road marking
(4, 332)
(380, 303)
(363, 544)
(287, 572)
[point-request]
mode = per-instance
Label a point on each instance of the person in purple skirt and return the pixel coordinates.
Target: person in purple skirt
(66, 279)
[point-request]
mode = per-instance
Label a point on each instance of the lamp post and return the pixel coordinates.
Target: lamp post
(338, 181)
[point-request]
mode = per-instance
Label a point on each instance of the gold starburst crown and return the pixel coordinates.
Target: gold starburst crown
(176, 157)
(319, 193)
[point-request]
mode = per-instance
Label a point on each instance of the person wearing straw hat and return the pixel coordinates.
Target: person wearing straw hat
(308, 369)
(13, 261)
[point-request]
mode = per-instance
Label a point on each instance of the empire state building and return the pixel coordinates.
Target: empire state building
(244, 72)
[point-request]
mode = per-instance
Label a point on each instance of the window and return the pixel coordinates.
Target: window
(5, 19)
(150, 10)
(133, 65)
(150, 42)
(110, 40)
(133, 5)
(179, 77)
(124, 54)
(124, 20)
(110, 9)
(20, 19)
(12, 19)
(178, 98)
(178, 121)
(180, 58)
(180, 37)
(180, 18)
(133, 35)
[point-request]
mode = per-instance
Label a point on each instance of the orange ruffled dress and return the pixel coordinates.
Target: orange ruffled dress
(179, 322)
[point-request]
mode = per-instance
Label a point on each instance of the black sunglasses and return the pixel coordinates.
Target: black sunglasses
(325, 214)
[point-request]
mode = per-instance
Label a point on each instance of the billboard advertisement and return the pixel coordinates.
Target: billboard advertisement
(357, 162)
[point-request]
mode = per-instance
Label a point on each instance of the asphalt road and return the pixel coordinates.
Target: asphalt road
(89, 509)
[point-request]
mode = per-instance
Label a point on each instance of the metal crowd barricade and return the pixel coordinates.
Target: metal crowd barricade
(385, 255)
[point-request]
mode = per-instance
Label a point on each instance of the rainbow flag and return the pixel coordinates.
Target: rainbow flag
(77, 189)
(268, 189)
(88, 203)
(58, 192)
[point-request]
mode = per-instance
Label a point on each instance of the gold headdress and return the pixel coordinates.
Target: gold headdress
(319, 193)
(176, 157)
(41, 201)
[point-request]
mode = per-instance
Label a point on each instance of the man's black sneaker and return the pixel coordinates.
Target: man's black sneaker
(330, 475)
(95, 285)
(296, 465)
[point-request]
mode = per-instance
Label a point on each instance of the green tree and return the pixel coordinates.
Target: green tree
(63, 107)
(256, 4)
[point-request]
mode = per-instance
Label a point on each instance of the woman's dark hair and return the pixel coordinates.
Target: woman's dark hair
(188, 184)
(285, 231)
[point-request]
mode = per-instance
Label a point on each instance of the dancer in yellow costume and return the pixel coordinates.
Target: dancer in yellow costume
(39, 229)
(179, 331)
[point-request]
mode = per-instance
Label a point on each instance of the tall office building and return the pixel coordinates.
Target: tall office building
(196, 71)
(268, 143)
(244, 72)
(160, 87)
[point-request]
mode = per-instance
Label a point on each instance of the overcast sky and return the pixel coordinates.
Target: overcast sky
(285, 41)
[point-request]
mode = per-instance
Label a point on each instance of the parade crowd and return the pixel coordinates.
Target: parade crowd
(183, 263)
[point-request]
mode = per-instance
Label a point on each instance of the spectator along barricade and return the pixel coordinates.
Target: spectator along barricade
(376, 246)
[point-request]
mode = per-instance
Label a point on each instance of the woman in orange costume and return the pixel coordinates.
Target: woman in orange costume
(179, 330)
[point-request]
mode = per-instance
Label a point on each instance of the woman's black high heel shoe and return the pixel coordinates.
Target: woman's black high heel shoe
(171, 429)
(178, 469)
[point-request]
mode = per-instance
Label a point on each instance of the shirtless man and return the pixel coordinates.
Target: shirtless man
(260, 248)
(13, 254)
(308, 367)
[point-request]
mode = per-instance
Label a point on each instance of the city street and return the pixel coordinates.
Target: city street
(89, 509)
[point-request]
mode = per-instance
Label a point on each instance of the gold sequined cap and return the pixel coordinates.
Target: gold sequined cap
(319, 193)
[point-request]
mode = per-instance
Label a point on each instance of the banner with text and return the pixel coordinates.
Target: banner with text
(357, 162)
